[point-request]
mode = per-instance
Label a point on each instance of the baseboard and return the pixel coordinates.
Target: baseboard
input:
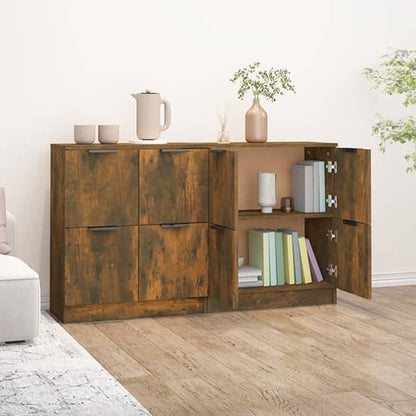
(44, 301)
(378, 280)
(394, 279)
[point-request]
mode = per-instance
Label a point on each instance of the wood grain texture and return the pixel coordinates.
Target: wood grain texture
(223, 270)
(99, 312)
(173, 262)
(278, 297)
(101, 266)
(353, 185)
(354, 257)
(223, 198)
(332, 360)
(101, 188)
(57, 239)
(197, 145)
(173, 186)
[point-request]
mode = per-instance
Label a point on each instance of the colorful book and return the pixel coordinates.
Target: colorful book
(288, 259)
(272, 258)
(250, 284)
(258, 252)
(302, 188)
(296, 254)
(318, 183)
(304, 261)
(280, 265)
(315, 270)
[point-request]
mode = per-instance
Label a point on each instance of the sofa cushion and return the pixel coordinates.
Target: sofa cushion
(12, 268)
(4, 244)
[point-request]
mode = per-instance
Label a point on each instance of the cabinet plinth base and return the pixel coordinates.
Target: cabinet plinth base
(258, 298)
(131, 310)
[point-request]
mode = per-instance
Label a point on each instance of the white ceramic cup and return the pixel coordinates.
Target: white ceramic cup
(108, 133)
(84, 133)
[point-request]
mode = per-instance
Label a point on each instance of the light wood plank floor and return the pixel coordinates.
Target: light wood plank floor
(354, 358)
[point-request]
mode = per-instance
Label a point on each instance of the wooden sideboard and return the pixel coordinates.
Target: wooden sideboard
(144, 230)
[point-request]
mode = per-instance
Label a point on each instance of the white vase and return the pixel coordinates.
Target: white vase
(266, 191)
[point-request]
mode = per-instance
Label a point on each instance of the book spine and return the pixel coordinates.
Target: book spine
(321, 186)
(288, 254)
(272, 258)
(306, 271)
(280, 265)
(315, 270)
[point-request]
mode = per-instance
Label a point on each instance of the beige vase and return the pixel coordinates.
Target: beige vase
(256, 123)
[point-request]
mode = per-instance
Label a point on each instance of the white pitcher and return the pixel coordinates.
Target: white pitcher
(148, 115)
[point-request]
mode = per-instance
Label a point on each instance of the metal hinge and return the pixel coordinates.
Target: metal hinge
(332, 201)
(332, 235)
(332, 270)
(331, 166)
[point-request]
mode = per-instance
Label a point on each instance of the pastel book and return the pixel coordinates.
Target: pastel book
(304, 261)
(315, 270)
(296, 254)
(302, 188)
(288, 259)
(280, 265)
(258, 252)
(318, 183)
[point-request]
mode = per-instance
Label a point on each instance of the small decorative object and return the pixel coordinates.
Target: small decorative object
(148, 125)
(108, 134)
(84, 133)
(266, 191)
(269, 83)
(397, 75)
(287, 204)
(223, 135)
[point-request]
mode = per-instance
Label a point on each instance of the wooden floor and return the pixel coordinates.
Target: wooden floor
(354, 358)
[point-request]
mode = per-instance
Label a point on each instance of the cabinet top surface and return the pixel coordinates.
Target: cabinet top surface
(193, 145)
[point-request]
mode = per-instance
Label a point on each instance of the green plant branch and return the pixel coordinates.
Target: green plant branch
(268, 83)
(396, 75)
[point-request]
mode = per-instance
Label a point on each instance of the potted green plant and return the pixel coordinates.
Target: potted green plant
(397, 75)
(270, 84)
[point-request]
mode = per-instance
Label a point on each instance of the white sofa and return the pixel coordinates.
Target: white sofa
(19, 294)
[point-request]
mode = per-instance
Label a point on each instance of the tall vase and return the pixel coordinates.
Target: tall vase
(266, 191)
(256, 123)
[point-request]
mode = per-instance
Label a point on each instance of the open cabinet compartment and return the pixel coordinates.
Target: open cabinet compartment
(240, 167)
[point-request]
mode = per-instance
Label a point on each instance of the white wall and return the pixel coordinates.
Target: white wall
(74, 62)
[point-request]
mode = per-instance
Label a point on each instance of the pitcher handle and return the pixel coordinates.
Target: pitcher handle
(167, 114)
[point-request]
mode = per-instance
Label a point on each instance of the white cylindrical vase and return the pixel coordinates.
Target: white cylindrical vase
(266, 191)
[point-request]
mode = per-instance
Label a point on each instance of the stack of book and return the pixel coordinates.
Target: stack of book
(308, 186)
(249, 276)
(283, 257)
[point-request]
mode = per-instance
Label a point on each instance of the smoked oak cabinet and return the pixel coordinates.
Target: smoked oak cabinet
(144, 230)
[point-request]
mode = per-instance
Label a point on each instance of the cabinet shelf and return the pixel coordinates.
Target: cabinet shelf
(310, 286)
(253, 213)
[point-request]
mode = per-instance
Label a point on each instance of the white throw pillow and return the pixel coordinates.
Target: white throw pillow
(4, 244)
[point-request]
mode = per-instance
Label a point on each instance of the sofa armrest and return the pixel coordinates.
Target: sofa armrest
(11, 232)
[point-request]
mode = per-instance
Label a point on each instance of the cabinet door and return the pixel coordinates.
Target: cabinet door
(173, 185)
(173, 261)
(353, 185)
(101, 265)
(101, 187)
(223, 188)
(354, 257)
(223, 268)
